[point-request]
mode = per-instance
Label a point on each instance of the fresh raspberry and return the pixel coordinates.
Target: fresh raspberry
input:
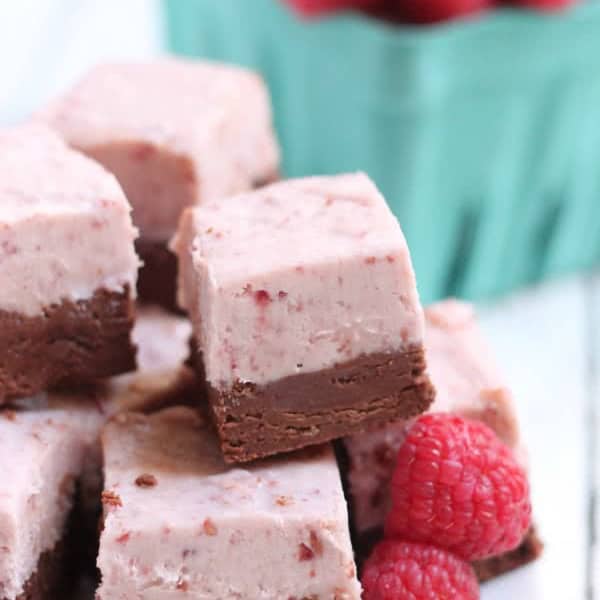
(405, 570)
(545, 4)
(433, 11)
(313, 8)
(456, 485)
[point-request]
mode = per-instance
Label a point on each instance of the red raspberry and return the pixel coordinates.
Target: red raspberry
(458, 486)
(546, 4)
(404, 570)
(436, 11)
(312, 8)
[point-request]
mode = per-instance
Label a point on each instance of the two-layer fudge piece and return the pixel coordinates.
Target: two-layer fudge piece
(178, 522)
(67, 265)
(44, 445)
(468, 383)
(175, 133)
(305, 311)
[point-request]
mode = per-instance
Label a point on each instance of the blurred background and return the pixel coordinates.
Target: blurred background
(482, 130)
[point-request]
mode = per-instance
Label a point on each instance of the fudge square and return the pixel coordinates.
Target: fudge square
(306, 315)
(468, 383)
(175, 133)
(67, 265)
(44, 446)
(180, 523)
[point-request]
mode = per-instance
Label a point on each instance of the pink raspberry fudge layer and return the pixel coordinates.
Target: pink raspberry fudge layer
(67, 265)
(179, 522)
(175, 133)
(44, 446)
(305, 311)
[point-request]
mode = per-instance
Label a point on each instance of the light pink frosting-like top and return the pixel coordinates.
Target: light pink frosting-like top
(42, 452)
(467, 382)
(217, 115)
(296, 277)
(65, 224)
(274, 529)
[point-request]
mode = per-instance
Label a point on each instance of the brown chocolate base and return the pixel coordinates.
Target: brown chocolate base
(157, 278)
(58, 569)
(254, 421)
(48, 581)
(530, 549)
(71, 343)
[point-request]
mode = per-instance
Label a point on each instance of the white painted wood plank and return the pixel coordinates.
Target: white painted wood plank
(595, 399)
(539, 337)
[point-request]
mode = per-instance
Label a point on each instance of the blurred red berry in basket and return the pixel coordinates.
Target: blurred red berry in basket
(312, 8)
(545, 4)
(436, 11)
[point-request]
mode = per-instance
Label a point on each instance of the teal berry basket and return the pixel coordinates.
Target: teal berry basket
(484, 135)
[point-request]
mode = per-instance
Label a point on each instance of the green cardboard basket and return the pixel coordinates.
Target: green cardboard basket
(483, 135)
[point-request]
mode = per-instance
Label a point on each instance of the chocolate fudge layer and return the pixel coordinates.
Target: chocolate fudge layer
(305, 313)
(179, 521)
(48, 580)
(175, 133)
(530, 549)
(467, 383)
(58, 570)
(44, 443)
(67, 265)
(70, 343)
(259, 420)
(157, 279)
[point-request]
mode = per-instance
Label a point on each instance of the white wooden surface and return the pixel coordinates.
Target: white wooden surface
(547, 339)
(594, 299)
(548, 342)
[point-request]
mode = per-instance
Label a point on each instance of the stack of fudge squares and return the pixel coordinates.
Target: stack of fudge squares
(215, 455)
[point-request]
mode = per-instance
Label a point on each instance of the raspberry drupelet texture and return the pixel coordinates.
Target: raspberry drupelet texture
(313, 8)
(410, 571)
(436, 11)
(456, 485)
(549, 5)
